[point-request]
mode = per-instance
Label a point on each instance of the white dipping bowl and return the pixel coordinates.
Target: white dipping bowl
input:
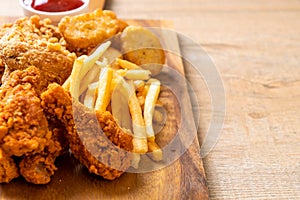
(54, 16)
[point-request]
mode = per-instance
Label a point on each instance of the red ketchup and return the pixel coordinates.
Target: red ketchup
(55, 5)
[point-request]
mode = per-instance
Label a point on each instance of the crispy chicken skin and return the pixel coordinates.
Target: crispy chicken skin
(23, 124)
(31, 41)
(8, 168)
(38, 168)
(95, 139)
(26, 132)
(3, 30)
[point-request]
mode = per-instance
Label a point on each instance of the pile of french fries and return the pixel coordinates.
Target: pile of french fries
(127, 91)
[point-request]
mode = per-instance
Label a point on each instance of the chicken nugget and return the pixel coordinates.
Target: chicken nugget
(87, 30)
(143, 48)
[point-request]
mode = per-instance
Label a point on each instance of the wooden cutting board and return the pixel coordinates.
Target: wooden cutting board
(182, 179)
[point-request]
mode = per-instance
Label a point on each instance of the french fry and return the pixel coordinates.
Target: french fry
(75, 76)
(149, 107)
(138, 84)
(119, 103)
(135, 160)
(124, 86)
(117, 82)
(121, 72)
(155, 152)
(141, 101)
(137, 74)
(91, 60)
(126, 64)
(138, 125)
(104, 94)
(144, 92)
(66, 84)
(120, 110)
(90, 96)
(81, 66)
(139, 143)
(93, 85)
(89, 78)
(102, 63)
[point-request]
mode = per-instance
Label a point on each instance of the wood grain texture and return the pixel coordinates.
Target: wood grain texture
(182, 179)
(255, 46)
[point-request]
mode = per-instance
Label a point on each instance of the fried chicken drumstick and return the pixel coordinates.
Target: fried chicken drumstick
(24, 129)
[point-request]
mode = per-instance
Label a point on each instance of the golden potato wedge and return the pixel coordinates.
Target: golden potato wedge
(143, 48)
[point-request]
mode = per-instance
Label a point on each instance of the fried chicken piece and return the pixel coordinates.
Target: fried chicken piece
(26, 131)
(3, 31)
(84, 32)
(38, 168)
(95, 139)
(23, 124)
(8, 168)
(59, 132)
(31, 41)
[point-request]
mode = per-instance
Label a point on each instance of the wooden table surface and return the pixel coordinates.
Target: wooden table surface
(255, 46)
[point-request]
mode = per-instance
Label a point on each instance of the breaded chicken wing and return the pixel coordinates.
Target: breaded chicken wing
(23, 124)
(31, 41)
(38, 168)
(95, 139)
(26, 132)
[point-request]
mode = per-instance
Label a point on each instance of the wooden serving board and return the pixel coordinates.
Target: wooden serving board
(182, 179)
